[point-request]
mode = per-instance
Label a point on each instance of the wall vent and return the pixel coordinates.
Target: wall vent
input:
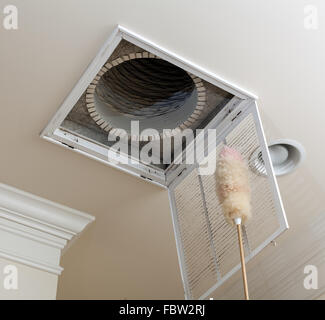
(132, 78)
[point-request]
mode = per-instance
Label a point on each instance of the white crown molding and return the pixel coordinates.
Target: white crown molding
(34, 231)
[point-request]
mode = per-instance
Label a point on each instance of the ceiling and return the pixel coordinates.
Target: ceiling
(129, 252)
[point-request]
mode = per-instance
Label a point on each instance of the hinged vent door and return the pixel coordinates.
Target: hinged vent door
(207, 246)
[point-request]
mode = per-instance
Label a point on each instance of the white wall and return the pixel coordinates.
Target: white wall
(32, 283)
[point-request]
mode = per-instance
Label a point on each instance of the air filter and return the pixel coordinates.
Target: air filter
(207, 244)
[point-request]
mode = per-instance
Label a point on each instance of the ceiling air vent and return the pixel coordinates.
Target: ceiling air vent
(142, 97)
(133, 79)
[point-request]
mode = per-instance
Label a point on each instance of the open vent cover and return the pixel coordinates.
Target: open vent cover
(207, 244)
(132, 79)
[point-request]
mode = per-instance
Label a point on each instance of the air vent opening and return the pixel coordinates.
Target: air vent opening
(145, 88)
(141, 87)
(134, 84)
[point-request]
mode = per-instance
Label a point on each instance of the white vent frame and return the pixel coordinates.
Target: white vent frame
(250, 107)
(54, 134)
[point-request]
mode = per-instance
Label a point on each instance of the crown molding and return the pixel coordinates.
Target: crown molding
(35, 231)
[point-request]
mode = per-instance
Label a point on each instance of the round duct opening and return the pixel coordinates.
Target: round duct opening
(143, 87)
(286, 155)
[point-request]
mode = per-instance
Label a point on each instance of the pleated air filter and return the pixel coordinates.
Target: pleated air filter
(207, 244)
(133, 79)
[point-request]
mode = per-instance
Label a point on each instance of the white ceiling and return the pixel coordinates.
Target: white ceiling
(129, 252)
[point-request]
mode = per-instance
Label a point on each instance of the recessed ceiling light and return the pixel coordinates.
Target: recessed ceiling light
(286, 156)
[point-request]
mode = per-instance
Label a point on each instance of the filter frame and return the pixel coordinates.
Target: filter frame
(229, 124)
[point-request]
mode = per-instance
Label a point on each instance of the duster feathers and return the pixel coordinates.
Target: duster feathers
(233, 185)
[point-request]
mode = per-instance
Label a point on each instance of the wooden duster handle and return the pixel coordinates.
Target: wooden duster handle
(242, 260)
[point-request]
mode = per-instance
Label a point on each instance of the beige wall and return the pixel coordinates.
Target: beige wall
(32, 283)
(321, 297)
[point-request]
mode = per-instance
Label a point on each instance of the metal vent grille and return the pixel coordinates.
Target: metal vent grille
(245, 139)
(207, 245)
